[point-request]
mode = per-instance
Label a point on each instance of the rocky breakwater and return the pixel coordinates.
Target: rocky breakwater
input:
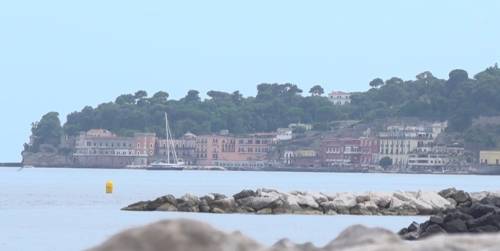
(270, 201)
(181, 235)
(472, 213)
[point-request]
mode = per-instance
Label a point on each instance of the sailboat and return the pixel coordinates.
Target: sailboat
(170, 163)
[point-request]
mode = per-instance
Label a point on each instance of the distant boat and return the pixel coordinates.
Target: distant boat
(168, 164)
(136, 166)
(161, 165)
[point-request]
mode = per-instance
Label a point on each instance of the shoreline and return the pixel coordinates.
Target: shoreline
(288, 169)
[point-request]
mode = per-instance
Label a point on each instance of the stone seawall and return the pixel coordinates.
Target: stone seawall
(46, 160)
(270, 201)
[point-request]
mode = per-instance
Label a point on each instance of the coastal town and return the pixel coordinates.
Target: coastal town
(396, 146)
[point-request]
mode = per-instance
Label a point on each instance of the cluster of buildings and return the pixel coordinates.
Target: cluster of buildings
(102, 148)
(411, 147)
(408, 148)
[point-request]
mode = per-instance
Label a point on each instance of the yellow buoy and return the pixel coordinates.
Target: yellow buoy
(109, 186)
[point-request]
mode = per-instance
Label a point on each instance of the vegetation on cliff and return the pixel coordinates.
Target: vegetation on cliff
(459, 99)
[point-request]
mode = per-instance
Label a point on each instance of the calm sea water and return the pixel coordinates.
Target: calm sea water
(67, 209)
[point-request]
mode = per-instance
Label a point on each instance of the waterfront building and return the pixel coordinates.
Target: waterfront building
(185, 148)
(398, 142)
(428, 160)
(102, 148)
(339, 98)
(304, 158)
(489, 158)
(349, 151)
(233, 150)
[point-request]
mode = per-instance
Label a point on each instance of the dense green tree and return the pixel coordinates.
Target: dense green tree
(316, 90)
(125, 99)
(47, 131)
(458, 76)
(193, 96)
(159, 97)
(140, 94)
(376, 82)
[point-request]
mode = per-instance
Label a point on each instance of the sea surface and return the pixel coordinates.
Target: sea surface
(67, 209)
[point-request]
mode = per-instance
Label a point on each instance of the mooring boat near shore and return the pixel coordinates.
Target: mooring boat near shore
(170, 163)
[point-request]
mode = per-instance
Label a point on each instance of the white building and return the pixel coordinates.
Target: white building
(284, 134)
(339, 97)
(398, 142)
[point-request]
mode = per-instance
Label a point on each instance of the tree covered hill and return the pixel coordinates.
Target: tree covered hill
(459, 99)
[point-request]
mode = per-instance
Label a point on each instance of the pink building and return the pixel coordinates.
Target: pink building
(349, 151)
(234, 151)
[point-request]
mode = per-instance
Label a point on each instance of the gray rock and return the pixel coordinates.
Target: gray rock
(138, 206)
(344, 202)
(188, 203)
(244, 194)
(436, 219)
(166, 207)
(362, 198)
(226, 204)
(361, 238)
(460, 196)
(455, 226)
(365, 208)
(432, 230)
(258, 203)
(446, 193)
(190, 235)
(178, 235)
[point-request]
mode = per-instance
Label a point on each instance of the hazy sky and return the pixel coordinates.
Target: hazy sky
(63, 55)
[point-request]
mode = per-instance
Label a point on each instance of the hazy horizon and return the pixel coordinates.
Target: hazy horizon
(60, 56)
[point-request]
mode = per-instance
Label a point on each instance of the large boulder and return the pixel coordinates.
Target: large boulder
(381, 199)
(244, 194)
(400, 207)
(227, 205)
(188, 203)
(358, 237)
(459, 196)
(177, 235)
(307, 200)
(259, 202)
(365, 208)
(343, 202)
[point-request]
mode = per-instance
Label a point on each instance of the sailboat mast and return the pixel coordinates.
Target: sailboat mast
(167, 138)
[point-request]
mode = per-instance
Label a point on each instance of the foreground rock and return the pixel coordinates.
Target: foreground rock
(472, 213)
(182, 235)
(270, 201)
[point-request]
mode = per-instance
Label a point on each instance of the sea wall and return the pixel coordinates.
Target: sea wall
(46, 159)
(181, 235)
(270, 201)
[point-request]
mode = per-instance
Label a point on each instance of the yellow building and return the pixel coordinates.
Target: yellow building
(489, 157)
